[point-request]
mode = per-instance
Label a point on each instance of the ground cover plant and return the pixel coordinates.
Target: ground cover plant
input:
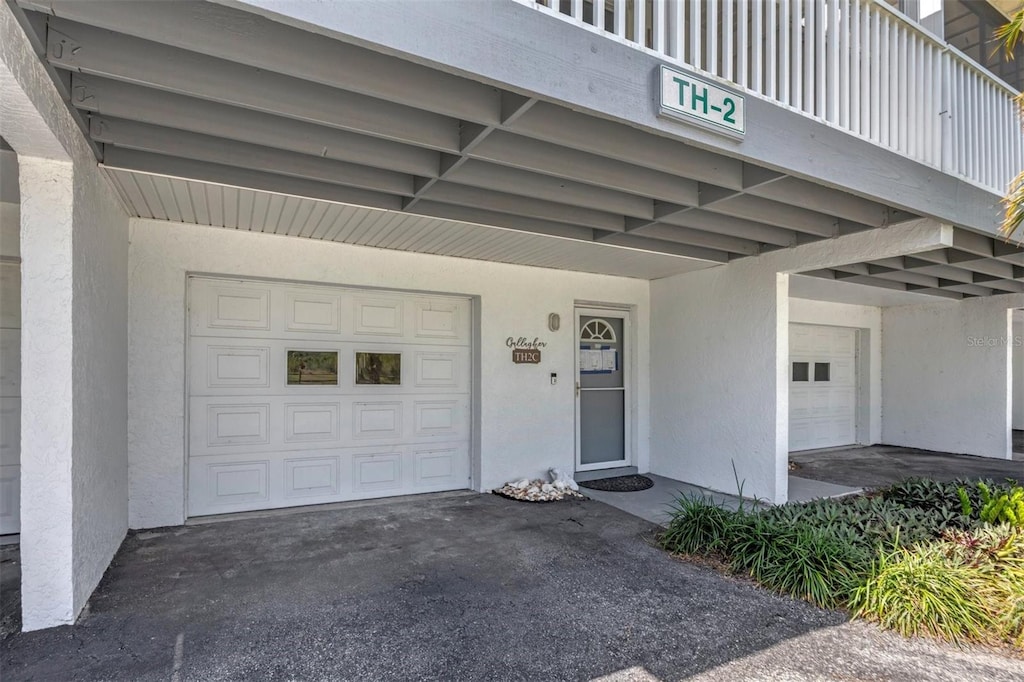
(920, 557)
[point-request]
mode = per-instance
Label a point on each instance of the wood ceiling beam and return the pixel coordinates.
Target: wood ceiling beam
(105, 97)
(268, 48)
(177, 143)
(91, 50)
(506, 149)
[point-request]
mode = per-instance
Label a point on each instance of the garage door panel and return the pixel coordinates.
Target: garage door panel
(238, 424)
(377, 419)
(243, 482)
(224, 306)
(226, 366)
(10, 499)
(314, 476)
(234, 366)
(306, 422)
(439, 319)
(307, 311)
(258, 439)
(10, 431)
(378, 316)
(823, 393)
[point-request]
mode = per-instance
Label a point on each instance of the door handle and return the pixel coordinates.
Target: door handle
(577, 389)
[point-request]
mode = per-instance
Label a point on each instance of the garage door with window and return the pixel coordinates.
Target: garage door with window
(303, 394)
(822, 387)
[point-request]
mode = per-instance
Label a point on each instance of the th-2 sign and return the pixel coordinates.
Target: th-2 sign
(691, 99)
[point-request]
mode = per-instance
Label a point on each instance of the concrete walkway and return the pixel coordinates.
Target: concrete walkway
(881, 465)
(655, 503)
(464, 587)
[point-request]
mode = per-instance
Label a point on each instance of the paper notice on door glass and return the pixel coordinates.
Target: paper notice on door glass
(608, 363)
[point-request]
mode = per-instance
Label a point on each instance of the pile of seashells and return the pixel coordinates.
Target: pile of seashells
(561, 487)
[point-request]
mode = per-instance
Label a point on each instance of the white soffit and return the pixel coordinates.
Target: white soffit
(202, 203)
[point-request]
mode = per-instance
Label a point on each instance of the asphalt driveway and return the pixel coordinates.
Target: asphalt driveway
(464, 587)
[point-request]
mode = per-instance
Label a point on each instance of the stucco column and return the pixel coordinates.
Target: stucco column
(74, 302)
(47, 217)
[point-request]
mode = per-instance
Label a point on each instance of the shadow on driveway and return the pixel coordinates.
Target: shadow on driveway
(464, 587)
(880, 465)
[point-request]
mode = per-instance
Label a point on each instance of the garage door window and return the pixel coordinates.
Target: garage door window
(801, 371)
(822, 371)
(312, 368)
(379, 368)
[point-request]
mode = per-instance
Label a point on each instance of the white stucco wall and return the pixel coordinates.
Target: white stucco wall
(718, 337)
(947, 379)
(1018, 369)
(74, 380)
(719, 358)
(526, 424)
(867, 319)
(47, 394)
(100, 377)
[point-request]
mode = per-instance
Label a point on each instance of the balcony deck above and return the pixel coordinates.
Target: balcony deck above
(489, 114)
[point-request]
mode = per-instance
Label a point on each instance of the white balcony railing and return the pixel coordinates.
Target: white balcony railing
(857, 65)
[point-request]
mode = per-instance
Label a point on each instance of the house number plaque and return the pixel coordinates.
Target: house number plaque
(525, 356)
(525, 351)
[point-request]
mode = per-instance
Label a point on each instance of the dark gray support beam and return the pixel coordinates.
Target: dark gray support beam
(778, 214)
(972, 242)
(825, 200)
(169, 142)
(540, 209)
(513, 106)
(907, 277)
(945, 272)
(1008, 251)
(170, 110)
(507, 149)
(567, 128)
(77, 47)
(976, 263)
(514, 181)
(685, 235)
(1005, 285)
(146, 162)
(505, 220)
(972, 289)
(660, 246)
(736, 227)
(258, 43)
(470, 137)
(943, 293)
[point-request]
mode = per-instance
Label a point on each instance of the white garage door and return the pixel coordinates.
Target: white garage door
(823, 387)
(309, 394)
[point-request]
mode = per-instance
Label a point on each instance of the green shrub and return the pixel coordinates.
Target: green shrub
(920, 557)
(697, 525)
(967, 586)
(814, 563)
(1002, 507)
(921, 591)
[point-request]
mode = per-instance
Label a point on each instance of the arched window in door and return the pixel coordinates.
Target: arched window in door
(597, 330)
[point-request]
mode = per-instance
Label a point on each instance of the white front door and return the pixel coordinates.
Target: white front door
(302, 394)
(822, 387)
(602, 389)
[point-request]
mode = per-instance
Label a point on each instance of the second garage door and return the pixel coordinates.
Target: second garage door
(303, 394)
(823, 387)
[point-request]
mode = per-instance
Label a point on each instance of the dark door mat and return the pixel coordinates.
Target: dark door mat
(619, 484)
